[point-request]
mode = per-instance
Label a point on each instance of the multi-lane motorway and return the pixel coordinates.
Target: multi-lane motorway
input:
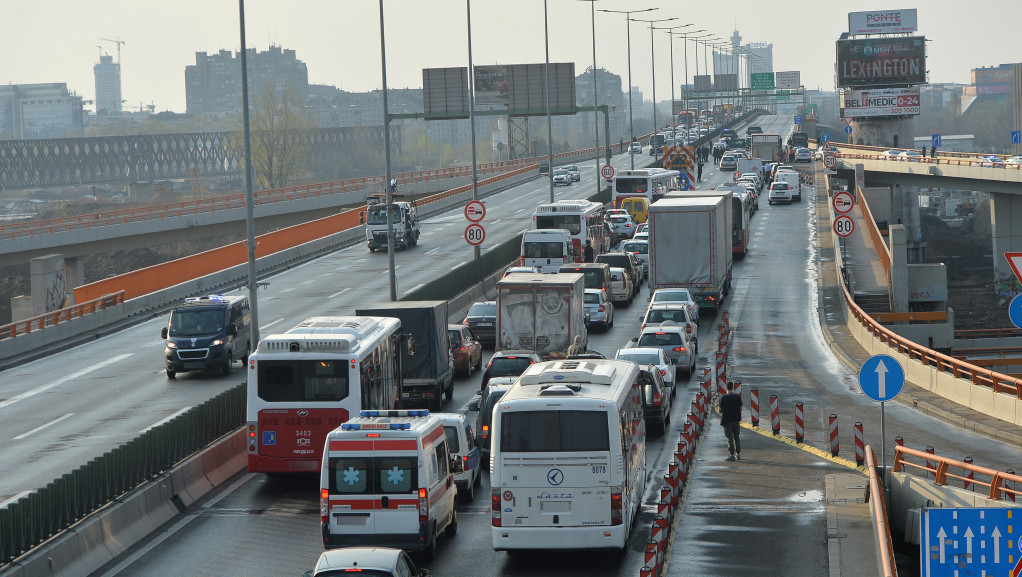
(58, 412)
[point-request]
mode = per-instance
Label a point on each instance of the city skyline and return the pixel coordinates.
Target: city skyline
(152, 69)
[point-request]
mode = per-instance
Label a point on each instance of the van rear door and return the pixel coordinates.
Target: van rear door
(373, 488)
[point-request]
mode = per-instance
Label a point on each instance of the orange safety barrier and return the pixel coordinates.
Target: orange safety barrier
(879, 505)
(941, 469)
(60, 316)
(1001, 333)
(874, 233)
(161, 276)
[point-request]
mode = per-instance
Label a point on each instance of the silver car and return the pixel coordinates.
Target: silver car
(599, 308)
(562, 176)
(651, 356)
(620, 286)
(674, 341)
(640, 248)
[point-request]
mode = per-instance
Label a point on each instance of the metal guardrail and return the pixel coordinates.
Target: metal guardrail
(999, 485)
(33, 519)
(60, 316)
(878, 511)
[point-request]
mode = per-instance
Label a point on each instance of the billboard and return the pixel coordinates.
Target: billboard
(762, 80)
(527, 87)
(997, 75)
(789, 80)
(725, 82)
(445, 92)
(492, 85)
(882, 22)
(884, 61)
(701, 83)
(879, 102)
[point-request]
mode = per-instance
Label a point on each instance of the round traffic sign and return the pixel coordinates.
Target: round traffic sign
(829, 160)
(844, 226)
(1015, 311)
(607, 171)
(848, 129)
(683, 182)
(475, 234)
(881, 377)
(843, 202)
(475, 210)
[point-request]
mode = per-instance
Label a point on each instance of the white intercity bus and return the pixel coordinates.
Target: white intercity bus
(568, 465)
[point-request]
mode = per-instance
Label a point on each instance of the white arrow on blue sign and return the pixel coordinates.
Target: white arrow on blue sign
(848, 129)
(798, 119)
(881, 378)
(935, 140)
(825, 137)
(1016, 136)
(968, 541)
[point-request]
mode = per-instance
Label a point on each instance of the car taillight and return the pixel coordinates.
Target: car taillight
(462, 349)
(495, 507)
(486, 431)
(679, 349)
(324, 505)
(602, 309)
(663, 372)
(656, 398)
(423, 505)
(616, 511)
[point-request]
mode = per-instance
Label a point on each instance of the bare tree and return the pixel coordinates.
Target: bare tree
(278, 156)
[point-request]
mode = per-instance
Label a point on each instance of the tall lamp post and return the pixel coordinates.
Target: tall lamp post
(549, 122)
(596, 116)
(670, 37)
(472, 113)
(388, 184)
(652, 53)
(253, 277)
(688, 36)
(628, 29)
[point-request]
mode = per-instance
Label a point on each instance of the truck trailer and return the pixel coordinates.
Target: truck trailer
(541, 312)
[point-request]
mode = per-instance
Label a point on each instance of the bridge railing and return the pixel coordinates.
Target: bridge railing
(883, 253)
(878, 513)
(999, 485)
(63, 315)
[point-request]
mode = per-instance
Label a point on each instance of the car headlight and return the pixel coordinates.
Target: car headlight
(217, 342)
(171, 345)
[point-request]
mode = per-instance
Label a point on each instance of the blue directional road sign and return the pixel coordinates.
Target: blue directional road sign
(1016, 136)
(1015, 311)
(881, 378)
(798, 119)
(825, 137)
(964, 542)
(935, 140)
(848, 129)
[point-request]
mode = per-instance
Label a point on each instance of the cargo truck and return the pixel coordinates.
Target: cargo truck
(404, 221)
(541, 312)
(427, 365)
(767, 146)
(690, 247)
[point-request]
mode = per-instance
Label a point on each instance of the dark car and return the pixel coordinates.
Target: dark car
(656, 399)
(625, 261)
(484, 402)
(466, 350)
(510, 363)
(482, 319)
(207, 333)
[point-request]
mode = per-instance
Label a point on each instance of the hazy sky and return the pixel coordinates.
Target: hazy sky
(339, 40)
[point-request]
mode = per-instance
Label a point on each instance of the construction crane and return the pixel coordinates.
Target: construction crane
(119, 43)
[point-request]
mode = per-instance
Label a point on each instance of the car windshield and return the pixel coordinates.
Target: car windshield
(640, 358)
(671, 295)
(560, 173)
(509, 366)
(638, 247)
(483, 310)
(196, 323)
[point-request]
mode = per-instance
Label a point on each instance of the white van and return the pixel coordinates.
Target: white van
(547, 249)
(461, 442)
(386, 481)
(794, 183)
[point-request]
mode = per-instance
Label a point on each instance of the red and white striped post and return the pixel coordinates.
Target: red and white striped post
(726, 319)
(706, 385)
(930, 464)
(651, 555)
(721, 372)
(1009, 495)
(738, 386)
(834, 443)
(682, 460)
(754, 406)
(697, 420)
(687, 436)
(860, 446)
(899, 441)
(775, 415)
(970, 475)
(646, 571)
(666, 503)
(800, 433)
(671, 478)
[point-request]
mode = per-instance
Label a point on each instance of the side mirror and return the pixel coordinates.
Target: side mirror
(307, 573)
(673, 360)
(473, 405)
(362, 217)
(163, 333)
(634, 340)
(586, 320)
(232, 329)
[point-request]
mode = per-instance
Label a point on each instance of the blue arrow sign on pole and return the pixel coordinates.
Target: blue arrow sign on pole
(848, 129)
(968, 541)
(881, 378)
(935, 140)
(825, 137)
(1016, 136)
(1015, 311)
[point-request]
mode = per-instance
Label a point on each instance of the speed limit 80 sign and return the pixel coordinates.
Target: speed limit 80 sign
(475, 234)
(844, 226)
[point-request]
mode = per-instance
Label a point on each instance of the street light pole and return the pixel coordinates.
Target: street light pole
(596, 116)
(549, 123)
(652, 53)
(628, 33)
(386, 145)
(472, 114)
(253, 277)
(670, 37)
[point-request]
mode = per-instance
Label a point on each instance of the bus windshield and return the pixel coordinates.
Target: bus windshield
(554, 431)
(569, 222)
(302, 380)
(377, 214)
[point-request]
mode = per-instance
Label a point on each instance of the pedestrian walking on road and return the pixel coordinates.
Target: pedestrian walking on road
(699, 171)
(730, 407)
(587, 252)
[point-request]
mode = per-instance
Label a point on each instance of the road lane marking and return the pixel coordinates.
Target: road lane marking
(271, 323)
(161, 421)
(41, 427)
(62, 380)
(432, 250)
(421, 284)
(15, 498)
(338, 293)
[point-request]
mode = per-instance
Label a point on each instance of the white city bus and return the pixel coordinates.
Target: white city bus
(651, 183)
(583, 219)
(306, 382)
(568, 465)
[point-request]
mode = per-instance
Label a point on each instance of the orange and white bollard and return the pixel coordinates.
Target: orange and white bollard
(697, 421)
(775, 415)
(834, 443)
(800, 433)
(650, 559)
(679, 456)
(860, 446)
(738, 386)
(721, 373)
(754, 406)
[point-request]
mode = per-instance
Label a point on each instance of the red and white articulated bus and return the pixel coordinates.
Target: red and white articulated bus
(306, 382)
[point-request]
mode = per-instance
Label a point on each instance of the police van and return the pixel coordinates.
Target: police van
(387, 481)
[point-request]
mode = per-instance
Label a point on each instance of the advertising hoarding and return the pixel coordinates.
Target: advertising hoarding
(725, 82)
(762, 80)
(882, 22)
(492, 85)
(879, 102)
(991, 75)
(789, 80)
(701, 83)
(882, 61)
(445, 92)
(528, 87)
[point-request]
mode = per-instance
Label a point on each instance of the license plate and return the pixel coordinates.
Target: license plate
(484, 324)
(194, 366)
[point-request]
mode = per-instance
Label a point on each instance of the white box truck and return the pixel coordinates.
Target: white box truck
(540, 312)
(690, 247)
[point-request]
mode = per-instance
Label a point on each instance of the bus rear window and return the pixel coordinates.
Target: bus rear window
(554, 431)
(302, 381)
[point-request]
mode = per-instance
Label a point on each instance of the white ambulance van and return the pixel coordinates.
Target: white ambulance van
(387, 481)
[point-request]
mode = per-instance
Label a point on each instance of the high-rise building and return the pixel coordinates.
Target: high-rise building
(39, 111)
(213, 83)
(745, 60)
(108, 86)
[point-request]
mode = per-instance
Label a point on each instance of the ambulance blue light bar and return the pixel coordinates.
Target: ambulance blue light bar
(395, 413)
(375, 427)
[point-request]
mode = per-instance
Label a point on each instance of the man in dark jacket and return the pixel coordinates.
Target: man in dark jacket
(730, 407)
